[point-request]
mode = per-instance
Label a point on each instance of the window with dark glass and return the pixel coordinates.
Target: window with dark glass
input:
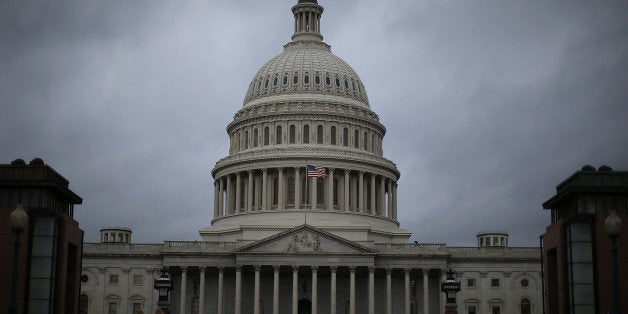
(285, 80)
(317, 79)
(332, 136)
(278, 135)
(471, 309)
(526, 307)
(306, 79)
(319, 134)
(295, 79)
(275, 81)
(495, 282)
(255, 137)
(306, 134)
(346, 84)
(356, 139)
(495, 309)
(292, 134)
(246, 139)
(266, 84)
(83, 304)
(337, 82)
(290, 200)
(327, 80)
(470, 282)
(113, 279)
(345, 137)
(266, 135)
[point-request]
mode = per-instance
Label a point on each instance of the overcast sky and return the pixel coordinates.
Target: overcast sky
(488, 104)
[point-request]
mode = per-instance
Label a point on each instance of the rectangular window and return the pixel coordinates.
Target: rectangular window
(137, 280)
(495, 309)
(137, 307)
(471, 283)
(495, 282)
(113, 308)
(580, 281)
(113, 279)
(471, 309)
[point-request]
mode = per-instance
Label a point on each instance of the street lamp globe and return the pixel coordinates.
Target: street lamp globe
(613, 224)
(19, 218)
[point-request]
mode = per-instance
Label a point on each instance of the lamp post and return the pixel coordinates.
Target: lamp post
(163, 285)
(19, 221)
(613, 228)
(450, 287)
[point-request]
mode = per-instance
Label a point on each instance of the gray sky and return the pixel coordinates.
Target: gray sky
(488, 104)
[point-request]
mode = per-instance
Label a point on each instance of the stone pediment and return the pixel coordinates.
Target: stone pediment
(305, 239)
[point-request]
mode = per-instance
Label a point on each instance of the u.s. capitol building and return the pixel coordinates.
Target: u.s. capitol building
(288, 238)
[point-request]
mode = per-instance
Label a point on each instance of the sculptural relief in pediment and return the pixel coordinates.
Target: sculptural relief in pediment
(303, 241)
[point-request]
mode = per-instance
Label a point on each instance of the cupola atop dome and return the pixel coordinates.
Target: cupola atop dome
(307, 21)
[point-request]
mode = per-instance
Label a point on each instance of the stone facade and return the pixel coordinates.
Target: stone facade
(287, 239)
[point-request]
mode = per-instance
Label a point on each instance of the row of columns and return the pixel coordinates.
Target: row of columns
(295, 285)
(312, 24)
(251, 192)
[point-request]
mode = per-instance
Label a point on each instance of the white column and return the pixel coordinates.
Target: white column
(371, 290)
(238, 290)
(313, 188)
(184, 277)
(221, 281)
(406, 299)
(276, 289)
(256, 291)
(221, 197)
(352, 290)
(373, 194)
(390, 201)
(388, 291)
(264, 188)
(297, 188)
(249, 192)
(346, 196)
(295, 289)
(330, 189)
(426, 299)
(333, 290)
(229, 200)
(216, 211)
(314, 289)
(382, 196)
(281, 203)
(238, 193)
(361, 192)
(201, 291)
(395, 200)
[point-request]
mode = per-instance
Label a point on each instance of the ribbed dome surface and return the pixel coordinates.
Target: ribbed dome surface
(307, 68)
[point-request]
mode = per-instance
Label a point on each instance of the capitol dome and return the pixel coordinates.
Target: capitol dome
(305, 109)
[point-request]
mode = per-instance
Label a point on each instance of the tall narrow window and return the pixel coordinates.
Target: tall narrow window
(372, 143)
(266, 136)
(356, 139)
(332, 136)
(292, 134)
(580, 274)
(306, 134)
(255, 138)
(319, 134)
(83, 304)
(290, 190)
(278, 135)
(295, 79)
(345, 137)
(246, 139)
(366, 141)
(525, 306)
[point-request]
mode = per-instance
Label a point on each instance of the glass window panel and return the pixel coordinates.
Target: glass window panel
(582, 273)
(41, 267)
(39, 289)
(43, 246)
(44, 226)
(38, 306)
(583, 309)
(580, 232)
(583, 294)
(581, 252)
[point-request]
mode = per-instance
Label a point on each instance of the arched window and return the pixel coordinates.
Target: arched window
(255, 137)
(285, 79)
(356, 139)
(275, 80)
(266, 136)
(327, 80)
(306, 79)
(526, 307)
(278, 135)
(306, 134)
(246, 139)
(346, 84)
(366, 141)
(317, 79)
(332, 136)
(292, 134)
(337, 82)
(319, 134)
(345, 137)
(295, 79)
(266, 83)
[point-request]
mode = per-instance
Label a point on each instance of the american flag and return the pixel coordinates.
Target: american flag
(316, 171)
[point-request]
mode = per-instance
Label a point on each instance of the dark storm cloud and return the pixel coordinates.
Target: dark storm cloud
(488, 104)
